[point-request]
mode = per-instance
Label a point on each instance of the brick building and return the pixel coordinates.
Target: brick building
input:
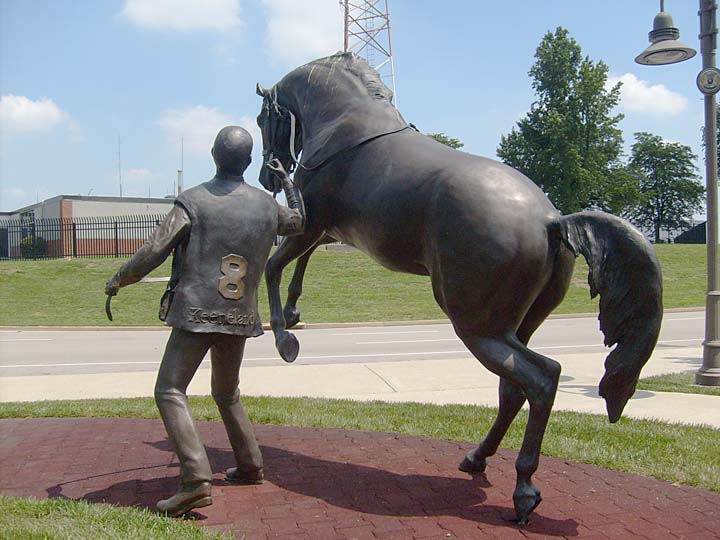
(76, 225)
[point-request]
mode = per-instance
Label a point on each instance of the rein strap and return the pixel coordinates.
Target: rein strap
(292, 136)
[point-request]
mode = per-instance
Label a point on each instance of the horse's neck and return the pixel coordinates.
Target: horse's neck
(334, 119)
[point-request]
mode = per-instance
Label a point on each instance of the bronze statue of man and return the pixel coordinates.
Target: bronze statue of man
(222, 232)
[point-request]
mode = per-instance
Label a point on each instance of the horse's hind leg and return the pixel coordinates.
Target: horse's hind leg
(537, 377)
(291, 311)
(511, 397)
(511, 400)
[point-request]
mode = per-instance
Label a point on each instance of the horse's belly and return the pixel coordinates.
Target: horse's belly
(400, 265)
(393, 255)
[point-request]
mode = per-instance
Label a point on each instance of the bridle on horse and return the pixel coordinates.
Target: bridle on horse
(282, 116)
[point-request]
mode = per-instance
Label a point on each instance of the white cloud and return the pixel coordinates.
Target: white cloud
(137, 182)
(639, 96)
(184, 14)
(249, 123)
(198, 125)
(137, 176)
(20, 114)
(302, 31)
(13, 198)
(15, 193)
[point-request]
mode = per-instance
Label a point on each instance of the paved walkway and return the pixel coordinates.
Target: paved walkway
(332, 484)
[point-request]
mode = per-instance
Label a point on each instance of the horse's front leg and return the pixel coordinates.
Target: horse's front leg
(291, 248)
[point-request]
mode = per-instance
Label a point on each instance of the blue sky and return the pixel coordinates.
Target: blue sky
(76, 75)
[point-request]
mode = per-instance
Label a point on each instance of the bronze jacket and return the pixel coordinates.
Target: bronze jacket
(225, 230)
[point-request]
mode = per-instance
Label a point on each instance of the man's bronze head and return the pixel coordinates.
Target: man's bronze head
(232, 150)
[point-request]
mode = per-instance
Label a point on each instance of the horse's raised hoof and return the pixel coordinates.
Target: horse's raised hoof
(525, 499)
(287, 345)
(472, 464)
(292, 316)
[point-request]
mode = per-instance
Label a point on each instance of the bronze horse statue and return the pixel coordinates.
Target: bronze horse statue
(499, 255)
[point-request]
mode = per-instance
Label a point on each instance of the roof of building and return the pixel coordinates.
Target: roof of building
(94, 198)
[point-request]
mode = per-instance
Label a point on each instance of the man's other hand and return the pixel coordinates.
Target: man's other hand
(112, 287)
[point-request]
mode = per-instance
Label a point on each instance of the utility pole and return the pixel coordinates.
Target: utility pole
(119, 167)
(181, 170)
(709, 372)
(666, 48)
(367, 34)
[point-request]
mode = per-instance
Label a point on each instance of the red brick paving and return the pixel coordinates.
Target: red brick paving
(324, 484)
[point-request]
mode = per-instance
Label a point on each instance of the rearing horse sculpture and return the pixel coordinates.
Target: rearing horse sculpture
(499, 255)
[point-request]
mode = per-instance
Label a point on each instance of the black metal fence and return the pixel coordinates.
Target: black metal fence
(53, 238)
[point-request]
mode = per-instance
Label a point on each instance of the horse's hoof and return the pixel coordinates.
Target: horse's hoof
(473, 464)
(288, 346)
(526, 500)
(292, 317)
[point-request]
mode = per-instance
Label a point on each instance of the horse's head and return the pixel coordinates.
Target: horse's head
(324, 107)
(281, 135)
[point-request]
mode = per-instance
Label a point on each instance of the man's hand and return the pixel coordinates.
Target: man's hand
(277, 167)
(112, 287)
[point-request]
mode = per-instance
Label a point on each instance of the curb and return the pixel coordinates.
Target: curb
(305, 326)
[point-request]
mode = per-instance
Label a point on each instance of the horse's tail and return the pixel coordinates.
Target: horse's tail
(626, 273)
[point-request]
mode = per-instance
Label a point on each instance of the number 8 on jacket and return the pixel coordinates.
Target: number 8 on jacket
(233, 269)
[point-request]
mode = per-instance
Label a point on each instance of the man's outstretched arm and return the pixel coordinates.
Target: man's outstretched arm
(291, 218)
(173, 230)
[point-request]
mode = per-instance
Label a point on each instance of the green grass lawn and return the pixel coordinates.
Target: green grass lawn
(62, 519)
(339, 287)
(678, 453)
(677, 382)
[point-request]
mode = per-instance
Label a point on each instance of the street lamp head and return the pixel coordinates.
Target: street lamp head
(665, 47)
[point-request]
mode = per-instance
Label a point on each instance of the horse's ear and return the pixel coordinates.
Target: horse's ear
(262, 92)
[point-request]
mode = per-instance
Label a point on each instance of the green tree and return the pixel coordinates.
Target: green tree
(569, 143)
(621, 191)
(452, 142)
(667, 176)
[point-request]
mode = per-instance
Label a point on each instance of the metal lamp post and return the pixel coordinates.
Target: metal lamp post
(666, 49)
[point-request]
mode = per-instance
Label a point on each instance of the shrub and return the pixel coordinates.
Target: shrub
(33, 247)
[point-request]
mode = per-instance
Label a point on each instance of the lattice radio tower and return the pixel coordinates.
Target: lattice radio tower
(367, 34)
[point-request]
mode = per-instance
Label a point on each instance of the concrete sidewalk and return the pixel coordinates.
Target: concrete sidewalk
(455, 381)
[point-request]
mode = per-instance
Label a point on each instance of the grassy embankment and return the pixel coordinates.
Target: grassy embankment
(677, 382)
(339, 287)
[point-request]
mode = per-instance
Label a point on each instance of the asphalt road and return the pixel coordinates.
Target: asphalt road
(55, 352)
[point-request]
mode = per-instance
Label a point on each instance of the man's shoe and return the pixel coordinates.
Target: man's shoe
(236, 476)
(186, 499)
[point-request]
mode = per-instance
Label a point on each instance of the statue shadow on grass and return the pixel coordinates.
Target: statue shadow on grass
(350, 486)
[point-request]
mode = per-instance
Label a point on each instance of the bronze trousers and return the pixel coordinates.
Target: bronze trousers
(183, 354)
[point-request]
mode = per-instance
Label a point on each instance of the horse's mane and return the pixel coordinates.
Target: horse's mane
(359, 67)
